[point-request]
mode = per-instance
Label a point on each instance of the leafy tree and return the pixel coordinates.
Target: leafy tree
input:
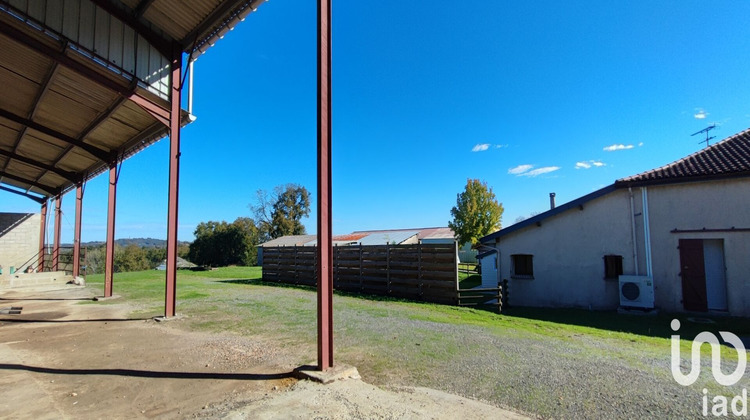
(281, 212)
(477, 213)
(130, 258)
(221, 243)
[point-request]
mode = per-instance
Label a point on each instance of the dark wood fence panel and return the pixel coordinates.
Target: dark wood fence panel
(421, 271)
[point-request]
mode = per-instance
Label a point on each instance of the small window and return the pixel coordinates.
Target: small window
(523, 266)
(612, 266)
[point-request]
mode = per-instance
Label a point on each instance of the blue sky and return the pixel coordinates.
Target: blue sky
(531, 97)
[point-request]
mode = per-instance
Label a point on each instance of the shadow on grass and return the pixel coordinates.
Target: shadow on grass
(647, 325)
(150, 374)
(357, 295)
(351, 294)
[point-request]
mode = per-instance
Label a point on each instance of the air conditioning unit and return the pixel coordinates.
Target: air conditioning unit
(636, 292)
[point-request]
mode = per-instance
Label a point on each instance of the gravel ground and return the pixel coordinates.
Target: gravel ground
(581, 377)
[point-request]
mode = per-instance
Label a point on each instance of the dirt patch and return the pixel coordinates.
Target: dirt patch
(61, 359)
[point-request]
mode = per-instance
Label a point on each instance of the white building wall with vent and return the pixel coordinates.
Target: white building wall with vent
(568, 252)
(568, 248)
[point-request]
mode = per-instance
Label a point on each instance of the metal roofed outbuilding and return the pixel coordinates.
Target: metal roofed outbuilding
(88, 83)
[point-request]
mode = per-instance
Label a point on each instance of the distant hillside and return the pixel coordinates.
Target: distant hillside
(141, 242)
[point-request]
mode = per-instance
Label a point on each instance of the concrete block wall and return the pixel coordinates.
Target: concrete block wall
(19, 240)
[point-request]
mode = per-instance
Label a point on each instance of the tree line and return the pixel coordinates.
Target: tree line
(128, 258)
(279, 213)
(276, 214)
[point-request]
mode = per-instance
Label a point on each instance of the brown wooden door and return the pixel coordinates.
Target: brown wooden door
(693, 272)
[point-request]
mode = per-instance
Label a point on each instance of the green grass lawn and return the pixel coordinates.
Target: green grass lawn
(398, 342)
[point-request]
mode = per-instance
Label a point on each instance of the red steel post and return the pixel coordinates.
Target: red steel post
(58, 225)
(109, 263)
(42, 234)
(325, 238)
(77, 232)
(174, 183)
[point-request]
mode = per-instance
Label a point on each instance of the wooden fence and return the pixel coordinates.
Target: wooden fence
(426, 272)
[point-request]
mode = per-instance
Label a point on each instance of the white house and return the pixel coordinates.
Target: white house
(683, 229)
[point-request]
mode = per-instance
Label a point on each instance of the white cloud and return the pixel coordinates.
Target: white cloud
(481, 147)
(640, 144)
(589, 164)
(519, 169)
(700, 114)
(540, 171)
(614, 147)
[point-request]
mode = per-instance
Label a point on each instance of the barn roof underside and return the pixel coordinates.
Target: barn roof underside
(86, 83)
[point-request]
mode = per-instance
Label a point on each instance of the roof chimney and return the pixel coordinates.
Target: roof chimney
(551, 200)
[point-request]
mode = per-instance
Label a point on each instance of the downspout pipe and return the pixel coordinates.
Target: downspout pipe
(647, 232)
(632, 231)
(190, 87)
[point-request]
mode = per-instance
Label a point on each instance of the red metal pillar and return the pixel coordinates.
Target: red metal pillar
(174, 182)
(325, 238)
(56, 246)
(42, 235)
(77, 231)
(109, 263)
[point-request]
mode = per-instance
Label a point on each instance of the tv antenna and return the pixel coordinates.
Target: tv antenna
(706, 130)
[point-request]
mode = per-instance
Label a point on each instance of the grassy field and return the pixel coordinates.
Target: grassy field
(551, 363)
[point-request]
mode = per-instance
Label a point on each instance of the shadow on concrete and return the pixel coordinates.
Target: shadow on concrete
(45, 321)
(46, 299)
(150, 374)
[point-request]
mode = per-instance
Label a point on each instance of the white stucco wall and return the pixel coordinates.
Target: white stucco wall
(19, 244)
(710, 205)
(568, 248)
(568, 255)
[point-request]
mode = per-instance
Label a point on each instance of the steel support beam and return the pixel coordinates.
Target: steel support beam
(70, 176)
(61, 58)
(325, 237)
(109, 263)
(174, 183)
(39, 200)
(37, 100)
(156, 111)
(140, 10)
(42, 235)
(91, 149)
(58, 225)
(77, 231)
(45, 188)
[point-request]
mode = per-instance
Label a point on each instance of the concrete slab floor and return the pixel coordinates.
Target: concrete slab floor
(335, 373)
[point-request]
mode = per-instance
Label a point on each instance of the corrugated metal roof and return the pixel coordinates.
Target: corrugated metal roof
(290, 240)
(351, 237)
(437, 233)
(71, 75)
(388, 237)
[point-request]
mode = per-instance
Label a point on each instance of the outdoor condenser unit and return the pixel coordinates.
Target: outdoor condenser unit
(636, 292)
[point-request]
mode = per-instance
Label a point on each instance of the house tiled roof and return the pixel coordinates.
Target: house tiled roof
(727, 158)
